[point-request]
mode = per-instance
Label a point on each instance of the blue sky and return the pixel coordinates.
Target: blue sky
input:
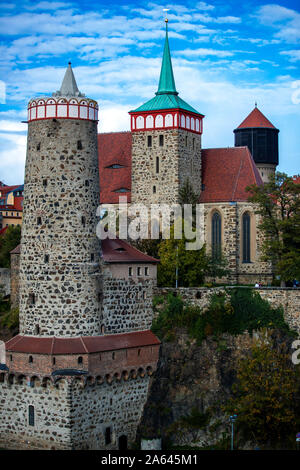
(226, 55)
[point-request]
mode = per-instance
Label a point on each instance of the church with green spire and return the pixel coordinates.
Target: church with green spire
(167, 130)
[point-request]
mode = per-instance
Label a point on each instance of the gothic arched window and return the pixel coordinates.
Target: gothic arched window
(216, 235)
(246, 237)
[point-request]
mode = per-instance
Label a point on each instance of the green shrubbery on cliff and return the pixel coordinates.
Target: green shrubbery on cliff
(234, 312)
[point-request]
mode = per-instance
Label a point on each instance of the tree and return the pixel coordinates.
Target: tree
(9, 240)
(278, 203)
(265, 395)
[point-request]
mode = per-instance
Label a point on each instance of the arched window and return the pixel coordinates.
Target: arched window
(216, 236)
(246, 238)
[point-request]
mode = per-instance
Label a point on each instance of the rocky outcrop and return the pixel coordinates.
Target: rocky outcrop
(191, 383)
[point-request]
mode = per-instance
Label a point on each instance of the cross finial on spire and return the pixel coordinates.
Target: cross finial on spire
(166, 18)
(256, 104)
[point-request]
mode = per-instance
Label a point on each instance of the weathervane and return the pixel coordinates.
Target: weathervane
(166, 10)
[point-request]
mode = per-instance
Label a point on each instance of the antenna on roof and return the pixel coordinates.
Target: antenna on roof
(256, 104)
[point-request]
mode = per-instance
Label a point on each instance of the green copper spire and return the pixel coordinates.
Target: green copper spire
(166, 79)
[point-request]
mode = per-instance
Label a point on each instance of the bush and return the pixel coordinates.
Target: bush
(234, 312)
(10, 319)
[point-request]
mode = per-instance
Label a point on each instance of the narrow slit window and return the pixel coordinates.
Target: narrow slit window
(39, 221)
(30, 359)
(45, 183)
(46, 258)
(154, 189)
(79, 145)
(107, 436)
(130, 271)
(31, 298)
(80, 360)
(149, 140)
(157, 165)
(31, 415)
(83, 220)
(161, 140)
(146, 271)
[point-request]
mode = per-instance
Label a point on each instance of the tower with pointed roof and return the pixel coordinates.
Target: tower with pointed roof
(59, 228)
(261, 137)
(166, 142)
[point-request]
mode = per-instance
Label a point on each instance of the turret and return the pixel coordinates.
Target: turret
(59, 268)
(261, 137)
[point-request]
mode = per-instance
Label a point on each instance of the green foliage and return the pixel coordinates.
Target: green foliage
(8, 242)
(233, 312)
(196, 419)
(278, 203)
(265, 396)
(10, 319)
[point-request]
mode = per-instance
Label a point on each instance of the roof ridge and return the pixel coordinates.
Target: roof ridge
(114, 132)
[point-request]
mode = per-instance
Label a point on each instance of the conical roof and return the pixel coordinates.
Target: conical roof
(256, 119)
(69, 86)
(166, 79)
(166, 95)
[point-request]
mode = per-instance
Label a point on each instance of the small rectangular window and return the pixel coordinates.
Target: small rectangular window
(146, 271)
(149, 140)
(92, 256)
(38, 147)
(45, 183)
(157, 165)
(161, 140)
(79, 145)
(130, 271)
(193, 143)
(83, 220)
(46, 258)
(31, 415)
(186, 140)
(39, 221)
(154, 189)
(32, 299)
(139, 271)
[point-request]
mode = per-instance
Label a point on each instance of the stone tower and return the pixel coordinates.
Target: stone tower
(59, 293)
(166, 142)
(75, 377)
(261, 137)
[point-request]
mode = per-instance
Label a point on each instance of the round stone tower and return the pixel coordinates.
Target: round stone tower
(59, 268)
(261, 137)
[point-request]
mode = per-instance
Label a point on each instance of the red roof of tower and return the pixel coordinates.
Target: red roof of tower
(225, 174)
(114, 148)
(256, 119)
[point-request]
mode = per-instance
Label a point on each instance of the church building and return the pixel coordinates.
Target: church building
(150, 164)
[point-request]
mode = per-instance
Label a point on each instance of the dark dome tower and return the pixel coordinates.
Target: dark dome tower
(261, 137)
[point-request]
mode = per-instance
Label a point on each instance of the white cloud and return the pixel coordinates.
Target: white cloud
(12, 126)
(201, 52)
(294, 55)
(12, 158)
(204, 6)
(48, 6)
(285, 20)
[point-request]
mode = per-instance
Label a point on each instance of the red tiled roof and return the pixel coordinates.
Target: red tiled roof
(225, 174)
(114, 148)
(256, 119)
(7, 189)
(82, 344)
(296, 179)
(119, 251)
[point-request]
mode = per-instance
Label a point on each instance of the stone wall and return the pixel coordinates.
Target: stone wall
(5, 283)
(179, 158)
(126, 305)
(285, 297)
(70, 414)
(231, 238)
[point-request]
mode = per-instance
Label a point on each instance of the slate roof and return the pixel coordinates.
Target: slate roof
(80, 345)
(256, 119)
